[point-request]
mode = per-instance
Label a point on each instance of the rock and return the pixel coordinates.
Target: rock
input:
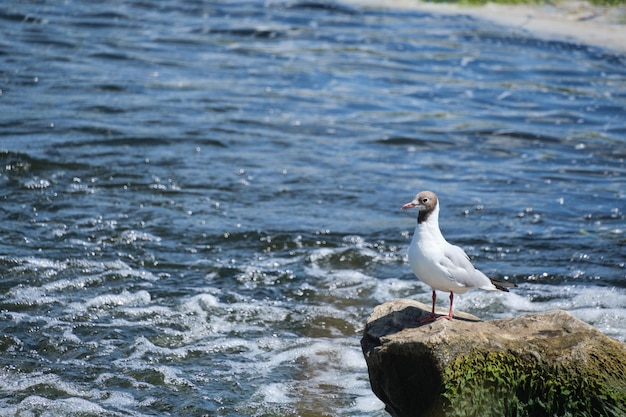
(548, 364)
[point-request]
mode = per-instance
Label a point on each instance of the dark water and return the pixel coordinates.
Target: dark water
(200, 200)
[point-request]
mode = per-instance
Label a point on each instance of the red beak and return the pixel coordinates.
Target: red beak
(408, 205)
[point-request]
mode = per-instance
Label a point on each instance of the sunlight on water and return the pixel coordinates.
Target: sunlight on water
(201, 202)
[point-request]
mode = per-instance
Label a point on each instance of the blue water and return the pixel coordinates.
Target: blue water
(201, 200)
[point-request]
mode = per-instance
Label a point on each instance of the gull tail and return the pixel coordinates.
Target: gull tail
(502, 285)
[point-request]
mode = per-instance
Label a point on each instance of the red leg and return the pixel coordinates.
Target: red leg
(434, 299)
(449, 316)
(432, 314)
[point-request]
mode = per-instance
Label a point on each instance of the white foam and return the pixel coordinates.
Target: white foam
(146, 314)
(367, 402)
(212, 316)
(351, 359)
(251, 336)
(602, 307)
(131, 236)
(120, 399)
(69, 336)
(30, 296)
(122, 299)
(317, 256)
(171, 376)
(76, 283)
(20, 382)
(391, 288)
(52, 292)
(145, 348)
(329, 362)
(275, 393)
(35, 264)
(44, 407)
(342, 283)
(37, 184)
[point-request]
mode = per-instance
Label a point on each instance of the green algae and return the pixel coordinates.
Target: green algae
(504, 384)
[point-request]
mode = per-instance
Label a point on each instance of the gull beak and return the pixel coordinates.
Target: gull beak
(409, 205)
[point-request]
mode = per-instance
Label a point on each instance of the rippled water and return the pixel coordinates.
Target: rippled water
(200, 200)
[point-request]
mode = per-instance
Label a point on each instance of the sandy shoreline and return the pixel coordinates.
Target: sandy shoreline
(570, 20)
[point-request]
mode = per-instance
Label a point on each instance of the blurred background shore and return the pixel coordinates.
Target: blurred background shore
(597, 24)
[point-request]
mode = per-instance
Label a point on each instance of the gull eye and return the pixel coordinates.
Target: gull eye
(424, 200)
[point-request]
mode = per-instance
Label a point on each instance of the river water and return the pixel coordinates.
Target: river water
(201, 199)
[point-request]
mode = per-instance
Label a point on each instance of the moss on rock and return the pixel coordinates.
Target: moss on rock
(504, 384)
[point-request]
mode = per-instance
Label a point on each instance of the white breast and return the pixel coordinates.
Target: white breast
(442, 266)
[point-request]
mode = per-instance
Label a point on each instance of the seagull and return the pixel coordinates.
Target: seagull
(439, 264)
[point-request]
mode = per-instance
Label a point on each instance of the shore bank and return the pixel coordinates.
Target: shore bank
(568, 20)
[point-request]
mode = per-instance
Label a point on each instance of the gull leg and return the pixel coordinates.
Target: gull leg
(434, 299)
(449, 316)
(432, 314)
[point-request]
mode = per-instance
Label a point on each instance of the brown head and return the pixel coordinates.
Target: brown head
(426, 202)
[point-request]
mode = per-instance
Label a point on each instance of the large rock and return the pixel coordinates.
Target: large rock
(548, 364)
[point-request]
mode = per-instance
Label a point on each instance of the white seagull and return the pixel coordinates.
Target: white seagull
(436, 262)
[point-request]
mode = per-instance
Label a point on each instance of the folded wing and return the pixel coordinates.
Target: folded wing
(459, 269)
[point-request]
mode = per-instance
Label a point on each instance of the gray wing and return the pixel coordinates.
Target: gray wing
(459, 269)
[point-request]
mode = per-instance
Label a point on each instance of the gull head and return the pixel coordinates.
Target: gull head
(424, 201)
